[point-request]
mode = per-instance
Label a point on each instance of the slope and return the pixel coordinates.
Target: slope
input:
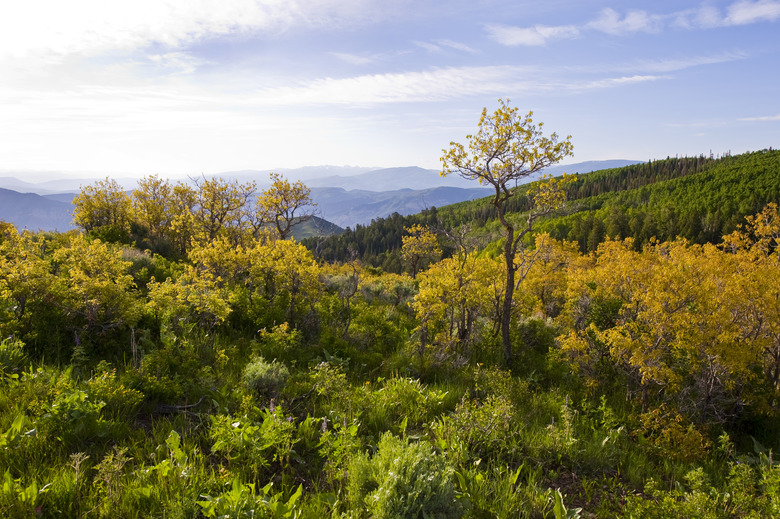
(698, 198)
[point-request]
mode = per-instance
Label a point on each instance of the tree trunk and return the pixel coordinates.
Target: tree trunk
(506, 314)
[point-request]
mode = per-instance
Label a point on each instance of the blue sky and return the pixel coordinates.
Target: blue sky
(181, 88)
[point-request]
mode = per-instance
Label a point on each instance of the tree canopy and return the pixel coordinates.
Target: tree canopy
(506, 149)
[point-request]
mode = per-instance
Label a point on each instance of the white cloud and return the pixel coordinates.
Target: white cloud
(704, 17)
(530, 36)
(611, 22)
(675, 64)
(54, 28)
(177, 62)
(438, 46)
(615, 82)
(614, 23)
(747, 11)
(354, 59)
(762, 118)
(432, 85)
(428, 46)
(91, 27)
(457, 46)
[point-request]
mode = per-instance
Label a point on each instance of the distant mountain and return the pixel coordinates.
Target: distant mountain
(588, 166)
(35, 212)
(393, 179)
(61, 185)
(345, 195)
(348, 208)
(61, 197)
(307, 174)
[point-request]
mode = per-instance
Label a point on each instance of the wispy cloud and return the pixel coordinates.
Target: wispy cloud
(354, 59)
(431, 85)
(703, 17)
(762, 118)
(747, 11)
(177, 62)
(53, 29)
(40, 27)
(428, 46)
(612, 22)
(434, 85)
(530, 36)
(676, 64)
(439, 46)
(615, 82)
(457, 46)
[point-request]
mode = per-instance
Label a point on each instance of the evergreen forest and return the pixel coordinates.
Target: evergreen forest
(182, 356)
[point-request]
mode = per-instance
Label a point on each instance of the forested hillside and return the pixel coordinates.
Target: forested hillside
(696, 198)
(181, 356)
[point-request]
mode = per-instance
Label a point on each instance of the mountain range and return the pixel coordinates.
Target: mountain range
(345, 195)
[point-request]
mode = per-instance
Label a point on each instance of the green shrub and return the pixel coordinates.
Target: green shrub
(281, 341)
(121, 403)
(12, 357)
(74, 417)
(403, 400)
(175, 370)
(251, 447)
(265, 378)
(403, 480)
(243, 502)
(482, 428)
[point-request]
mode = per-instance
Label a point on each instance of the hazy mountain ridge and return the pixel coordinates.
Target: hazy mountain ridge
(35, 212)
(349, 208)
(346, 195)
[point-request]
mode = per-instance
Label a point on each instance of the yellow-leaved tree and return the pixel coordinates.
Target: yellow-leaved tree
(282, 206)
(104, 209)
(507, 149)
(419, 244)
(455, 294)
(25, 282)
(98, 293)
(220, 209)
(678, 321)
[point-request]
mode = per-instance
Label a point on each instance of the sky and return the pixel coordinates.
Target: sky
(190, 87)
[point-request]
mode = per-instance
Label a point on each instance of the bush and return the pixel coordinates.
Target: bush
(484, 428)
(121, 403)
(12, 357)
(403, 400)
(403, 480)
(74, 418)
(249, 447)
(281, 341)
(265, 378)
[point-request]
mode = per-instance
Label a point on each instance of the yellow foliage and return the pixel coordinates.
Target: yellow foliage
(454, 293)
(506, 148)
(97, 285)
(102, 204)
(693, 322)
(281, 204)
(419, 244)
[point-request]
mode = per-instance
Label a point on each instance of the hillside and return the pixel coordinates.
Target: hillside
(360, 207)
(698, 198)
(36, 212)
(238, 375)
(315, 227)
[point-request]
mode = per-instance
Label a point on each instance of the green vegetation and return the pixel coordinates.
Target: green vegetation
(241, 377)
(696, 198)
